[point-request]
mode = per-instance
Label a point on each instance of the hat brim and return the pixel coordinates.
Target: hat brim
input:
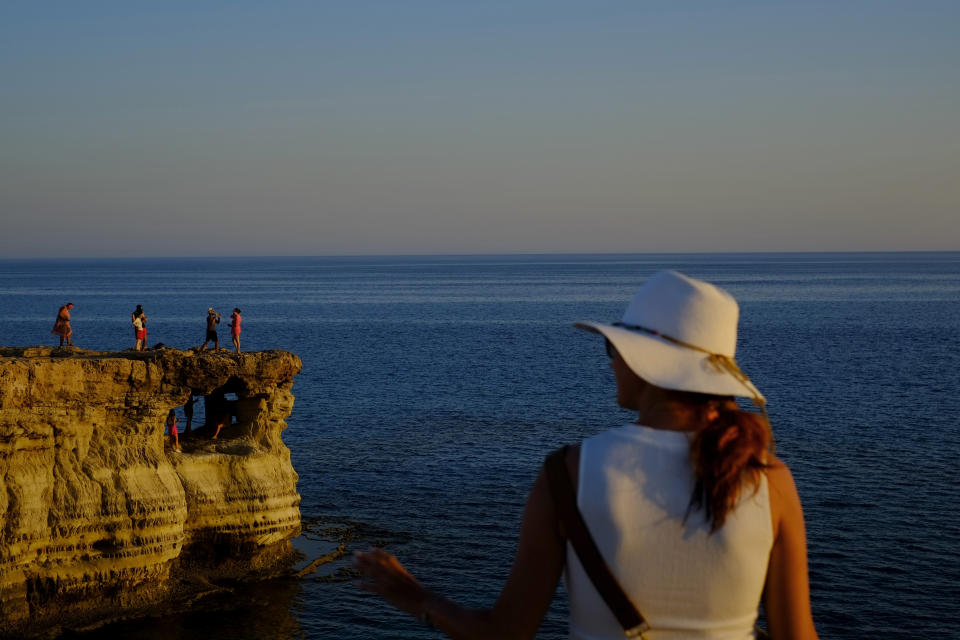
(669, 365)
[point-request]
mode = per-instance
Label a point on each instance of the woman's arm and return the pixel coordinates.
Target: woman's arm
(787, 592)
(523, 602)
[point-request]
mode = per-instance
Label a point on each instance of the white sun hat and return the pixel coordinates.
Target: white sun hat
(681, 333)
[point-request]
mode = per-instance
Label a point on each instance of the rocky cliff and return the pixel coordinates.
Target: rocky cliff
(100, 516)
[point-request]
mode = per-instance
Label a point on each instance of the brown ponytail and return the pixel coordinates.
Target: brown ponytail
(728, 454)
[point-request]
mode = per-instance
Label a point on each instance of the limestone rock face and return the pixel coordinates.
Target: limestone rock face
(99, 516)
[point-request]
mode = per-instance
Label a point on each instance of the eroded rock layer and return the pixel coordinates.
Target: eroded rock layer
(99, 515)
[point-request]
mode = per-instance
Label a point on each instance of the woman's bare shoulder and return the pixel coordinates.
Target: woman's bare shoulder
(785, 507)
(779, 475)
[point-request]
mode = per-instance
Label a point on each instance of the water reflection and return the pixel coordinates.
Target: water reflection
(269, 609)
(255, 611)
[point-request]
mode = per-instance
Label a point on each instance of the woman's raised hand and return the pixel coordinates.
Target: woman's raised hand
(383, 574)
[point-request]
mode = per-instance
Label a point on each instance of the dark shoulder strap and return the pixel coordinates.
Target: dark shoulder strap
(565, 502)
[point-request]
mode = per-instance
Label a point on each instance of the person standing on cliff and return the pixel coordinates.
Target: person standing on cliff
(172, 428)
(139, 319)
(62, 326)
(235, 321)
(213, 319)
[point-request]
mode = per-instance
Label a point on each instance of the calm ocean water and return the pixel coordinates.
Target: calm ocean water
(432, 388)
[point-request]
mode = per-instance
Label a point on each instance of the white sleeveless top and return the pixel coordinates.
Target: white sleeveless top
(635, 485)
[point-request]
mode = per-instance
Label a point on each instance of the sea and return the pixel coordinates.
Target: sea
(433, 386)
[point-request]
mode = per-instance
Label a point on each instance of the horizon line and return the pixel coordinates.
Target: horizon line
(482, 254)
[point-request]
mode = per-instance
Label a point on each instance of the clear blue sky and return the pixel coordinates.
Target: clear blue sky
(307, 128)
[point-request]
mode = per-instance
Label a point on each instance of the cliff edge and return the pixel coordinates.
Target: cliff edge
(99, 517)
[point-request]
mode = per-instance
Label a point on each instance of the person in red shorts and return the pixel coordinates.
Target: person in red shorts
(139, 320)
(235, 321)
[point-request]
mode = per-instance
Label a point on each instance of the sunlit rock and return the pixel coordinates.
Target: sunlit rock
(100, 517)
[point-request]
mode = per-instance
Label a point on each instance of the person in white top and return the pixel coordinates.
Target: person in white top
(690, 508)
(139, 320)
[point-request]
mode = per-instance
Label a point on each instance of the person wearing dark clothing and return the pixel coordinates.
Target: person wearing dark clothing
(213, 319)
(188, 414)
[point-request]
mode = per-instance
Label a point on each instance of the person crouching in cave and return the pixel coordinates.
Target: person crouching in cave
(225, 418)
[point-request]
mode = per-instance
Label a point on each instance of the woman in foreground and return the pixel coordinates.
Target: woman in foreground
(690, 509)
